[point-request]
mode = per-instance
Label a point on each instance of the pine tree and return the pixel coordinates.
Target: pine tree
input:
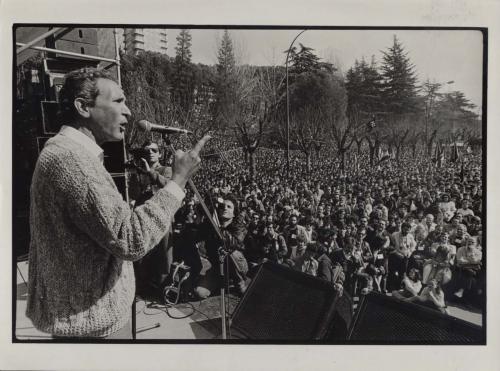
(183, 85)
(399, 80)
(225, 82)
(364, 89)
(183, 48)
(225, 56)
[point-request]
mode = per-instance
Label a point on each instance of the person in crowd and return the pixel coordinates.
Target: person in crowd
(311, 234)
(292, 233)
(446, 205)
(230, 249)
(363, 255)
(468, 264)
(329, 271)
(306, 262)
(345, 259)
(432, 296)
(465, 209)
(474, 226)
(424, 228)
(411, 285)
(379, 241)
(438, 266)
(459, 238)
(84, 236)
(403, 244)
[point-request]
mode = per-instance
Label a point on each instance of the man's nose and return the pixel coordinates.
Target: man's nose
(126, 112)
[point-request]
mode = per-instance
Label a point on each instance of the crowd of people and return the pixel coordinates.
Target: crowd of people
(406, 228)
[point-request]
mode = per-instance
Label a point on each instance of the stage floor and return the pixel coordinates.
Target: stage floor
(199, 320)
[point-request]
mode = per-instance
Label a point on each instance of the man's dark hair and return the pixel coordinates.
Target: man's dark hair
(232, 198)
(80, 83)
(147, 143)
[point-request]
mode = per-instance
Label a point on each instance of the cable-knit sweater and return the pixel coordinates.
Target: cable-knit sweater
(84, 238)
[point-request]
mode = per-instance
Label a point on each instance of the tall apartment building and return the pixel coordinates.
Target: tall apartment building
(140, 39)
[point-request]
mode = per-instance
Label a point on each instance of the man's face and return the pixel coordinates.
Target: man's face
(381, 225)
(429, 219)
(293, 221)
(226, 210)
(444, 237)
(109, 115)
(152, 153)
(361, 235)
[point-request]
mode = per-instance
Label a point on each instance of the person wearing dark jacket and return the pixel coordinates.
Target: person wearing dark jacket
(233, 232)
(328, 271)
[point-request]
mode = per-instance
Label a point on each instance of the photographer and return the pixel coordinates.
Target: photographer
(152, 270)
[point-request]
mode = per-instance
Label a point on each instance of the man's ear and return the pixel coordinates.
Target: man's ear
(82, 107)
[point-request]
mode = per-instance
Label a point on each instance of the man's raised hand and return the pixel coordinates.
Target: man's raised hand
(187, 163)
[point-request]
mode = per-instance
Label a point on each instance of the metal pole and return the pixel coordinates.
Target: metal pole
(117, 57)
(39, 38)
(85, 56)
(287, 122)
(288, 108)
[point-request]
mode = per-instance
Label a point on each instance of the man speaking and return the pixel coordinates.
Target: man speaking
(84, 236)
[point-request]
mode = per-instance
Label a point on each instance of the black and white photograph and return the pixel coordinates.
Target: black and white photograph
(236, 184)
(249, 185)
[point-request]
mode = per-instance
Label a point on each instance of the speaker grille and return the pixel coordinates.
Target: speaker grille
(282, 304)
(387, 320)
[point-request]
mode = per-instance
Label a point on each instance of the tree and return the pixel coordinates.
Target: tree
(249, 111)
(398, 134)
(183, 83)
(146, 81)
(225, 82)
(246, 100)
(430, 97)
(303, 61)
(307, 126)
(364, 88)
(399, 89)
(317, 101)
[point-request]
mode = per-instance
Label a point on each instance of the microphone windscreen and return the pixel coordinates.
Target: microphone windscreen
(144, 125)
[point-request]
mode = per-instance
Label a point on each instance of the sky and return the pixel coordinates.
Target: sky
(438, 55)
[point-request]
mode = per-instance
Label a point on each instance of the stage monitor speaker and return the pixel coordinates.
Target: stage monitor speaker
(286, 305)
(386, 320)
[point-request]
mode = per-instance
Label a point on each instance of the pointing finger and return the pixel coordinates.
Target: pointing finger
(198, 146)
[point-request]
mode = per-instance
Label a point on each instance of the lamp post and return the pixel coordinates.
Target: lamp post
(288, 108)
(448, 92)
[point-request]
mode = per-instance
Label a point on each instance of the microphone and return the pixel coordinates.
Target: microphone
(145, 125)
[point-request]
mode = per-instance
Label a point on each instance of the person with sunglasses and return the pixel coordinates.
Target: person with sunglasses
(153, 269)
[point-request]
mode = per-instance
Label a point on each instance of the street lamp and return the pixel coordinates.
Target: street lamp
(288, 109)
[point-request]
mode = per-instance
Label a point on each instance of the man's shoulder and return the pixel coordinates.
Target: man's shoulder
(61, 154)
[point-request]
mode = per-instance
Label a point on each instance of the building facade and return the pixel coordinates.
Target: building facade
(136, 40)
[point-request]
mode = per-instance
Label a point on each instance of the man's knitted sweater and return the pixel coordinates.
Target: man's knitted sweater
(84, 238)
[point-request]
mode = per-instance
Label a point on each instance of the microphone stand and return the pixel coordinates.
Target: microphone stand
(223, 253)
